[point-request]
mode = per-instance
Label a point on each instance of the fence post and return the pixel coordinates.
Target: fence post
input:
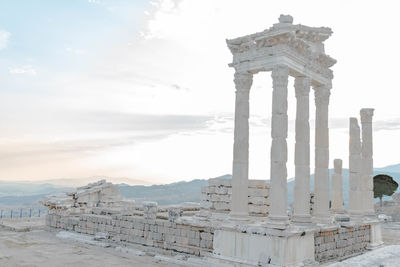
(11, 214)
(20, 213)
(30, 212)
(1, 216)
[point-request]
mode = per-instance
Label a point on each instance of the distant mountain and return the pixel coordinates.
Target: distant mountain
(18, 193)
(76, 182)
(391, 168)
(17, 189)
(165, 194)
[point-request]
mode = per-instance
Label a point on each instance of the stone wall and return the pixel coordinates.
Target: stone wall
(341, 242)
(162, 233)
(217, 196)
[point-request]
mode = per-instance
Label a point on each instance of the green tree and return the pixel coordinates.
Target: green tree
(384, 185)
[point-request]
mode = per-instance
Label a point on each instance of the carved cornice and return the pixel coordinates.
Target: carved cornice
(322, 94)
(243, 81)
(302, 86)
(366, 115)
(309, 34)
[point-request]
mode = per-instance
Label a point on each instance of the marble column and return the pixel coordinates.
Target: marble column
(240, 170)
(321, 179)
(337, 187)
(301, 203)
(278, 216)
(355, 200)
(367, 166)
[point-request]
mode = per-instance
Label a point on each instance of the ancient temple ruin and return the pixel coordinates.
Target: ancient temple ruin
(242, 221)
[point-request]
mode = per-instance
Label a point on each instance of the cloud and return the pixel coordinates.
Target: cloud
(4, 37)
(168, 124)
(75, 51)
(27, 69)
(389, 124)
(392, 124)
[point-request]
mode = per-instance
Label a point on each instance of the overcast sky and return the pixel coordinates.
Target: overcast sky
(142, 89)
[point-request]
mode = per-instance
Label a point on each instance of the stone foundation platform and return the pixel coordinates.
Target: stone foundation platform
(248, 242)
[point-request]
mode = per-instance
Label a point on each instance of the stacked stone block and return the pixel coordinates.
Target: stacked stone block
(162, 233)
(341, 243)
(218, 194)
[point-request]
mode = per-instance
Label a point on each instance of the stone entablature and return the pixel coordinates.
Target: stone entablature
(297, 46)
(217, 196)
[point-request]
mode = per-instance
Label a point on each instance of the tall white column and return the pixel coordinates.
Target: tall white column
(321, 179)
(240, 170)
(337, 187)
(367, 165)
(355, 200)
(301, 203)
(279, 127)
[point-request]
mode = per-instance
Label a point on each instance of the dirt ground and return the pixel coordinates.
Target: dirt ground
(391, 233)
(39, 247)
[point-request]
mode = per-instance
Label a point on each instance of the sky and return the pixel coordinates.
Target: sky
(142, 89)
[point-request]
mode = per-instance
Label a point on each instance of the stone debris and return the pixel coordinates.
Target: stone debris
(174, 213)
(150, 210)
(86, 198)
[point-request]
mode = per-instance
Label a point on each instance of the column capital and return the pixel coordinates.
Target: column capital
(243, 81)
(322, 94)
(366, 115)
(302, 86)
(280, 75)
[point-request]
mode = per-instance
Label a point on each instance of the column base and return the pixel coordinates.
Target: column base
(302, 219)
(277, 222)
(338, 211)
(238, 214)
(342, 217)
(356, 217)
(238, 217)
(369, 213)
(322, 218)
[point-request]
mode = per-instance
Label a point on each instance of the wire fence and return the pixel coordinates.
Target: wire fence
(23, 213)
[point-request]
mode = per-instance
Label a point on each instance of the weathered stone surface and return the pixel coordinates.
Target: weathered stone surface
(150, 210)
(85, 198)
(341, 242)
(337, 187)
(301, 205)
(174, 212)
(218, 195)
